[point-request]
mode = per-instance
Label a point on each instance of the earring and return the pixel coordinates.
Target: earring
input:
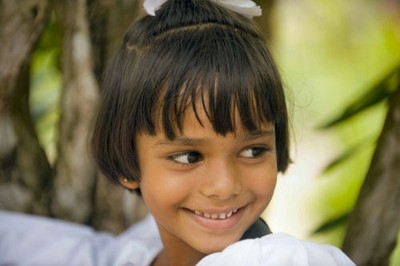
(128, 183)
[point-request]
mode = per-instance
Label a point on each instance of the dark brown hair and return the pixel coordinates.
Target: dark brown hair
(191, 50)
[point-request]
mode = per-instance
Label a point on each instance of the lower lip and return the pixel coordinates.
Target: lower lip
(217, 224)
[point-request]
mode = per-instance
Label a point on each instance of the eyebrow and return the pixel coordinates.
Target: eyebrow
(258, 134)
(182, 141)
(187, 141)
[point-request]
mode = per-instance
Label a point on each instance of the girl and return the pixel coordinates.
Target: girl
(193, 118)
(197, 124)
(195, 121)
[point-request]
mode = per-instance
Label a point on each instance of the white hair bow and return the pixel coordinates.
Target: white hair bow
(245, 7)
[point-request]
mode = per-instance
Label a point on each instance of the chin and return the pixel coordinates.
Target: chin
(213, 246)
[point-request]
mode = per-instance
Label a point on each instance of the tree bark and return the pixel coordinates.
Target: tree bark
(374, 224)
(92, 31)
(74, 180)
(25, 172)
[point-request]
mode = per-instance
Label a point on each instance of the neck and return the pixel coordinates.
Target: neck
(166, 258)
(177, 252)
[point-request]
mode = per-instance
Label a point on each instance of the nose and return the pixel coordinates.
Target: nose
(221, 180)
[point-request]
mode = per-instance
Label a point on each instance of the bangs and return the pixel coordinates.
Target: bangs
(215, 70)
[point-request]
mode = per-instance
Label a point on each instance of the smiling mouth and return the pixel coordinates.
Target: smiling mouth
(216, 216)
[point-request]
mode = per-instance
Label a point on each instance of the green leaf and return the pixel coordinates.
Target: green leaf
(332, 224)
(347, 154)
(379, 92)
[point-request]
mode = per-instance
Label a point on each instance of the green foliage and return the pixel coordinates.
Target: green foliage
(333, 223)
(45, 90)
(339, 58)
(348, 154)
(380, 92)
(377, 93)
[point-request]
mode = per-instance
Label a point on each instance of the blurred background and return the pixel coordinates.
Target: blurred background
(330, 54)
(335, 57)
(340, 61)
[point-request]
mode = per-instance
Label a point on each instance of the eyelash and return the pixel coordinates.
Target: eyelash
(262, 150)
(175, 157)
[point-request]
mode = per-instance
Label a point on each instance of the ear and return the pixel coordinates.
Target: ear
(129, 184)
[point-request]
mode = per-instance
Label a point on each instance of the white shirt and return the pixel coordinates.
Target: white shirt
(278, 249)
(32, 240)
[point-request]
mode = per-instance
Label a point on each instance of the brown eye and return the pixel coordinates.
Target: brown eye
(187, 157)
(253, 152)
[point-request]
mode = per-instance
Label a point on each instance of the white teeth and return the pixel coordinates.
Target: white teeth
(215, 216)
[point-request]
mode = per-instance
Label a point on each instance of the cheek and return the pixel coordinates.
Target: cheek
(263, 181)
(161, 188)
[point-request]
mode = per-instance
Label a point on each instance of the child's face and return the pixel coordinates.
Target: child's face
(203, 189)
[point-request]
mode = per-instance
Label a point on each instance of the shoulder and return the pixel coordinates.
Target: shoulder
(140, 244)
(34, 240)
(278, 249)
(30, 239)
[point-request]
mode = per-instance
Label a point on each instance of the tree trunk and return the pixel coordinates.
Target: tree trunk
(92, 31)
(25, 172)
(75, 172)
(374, 224)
